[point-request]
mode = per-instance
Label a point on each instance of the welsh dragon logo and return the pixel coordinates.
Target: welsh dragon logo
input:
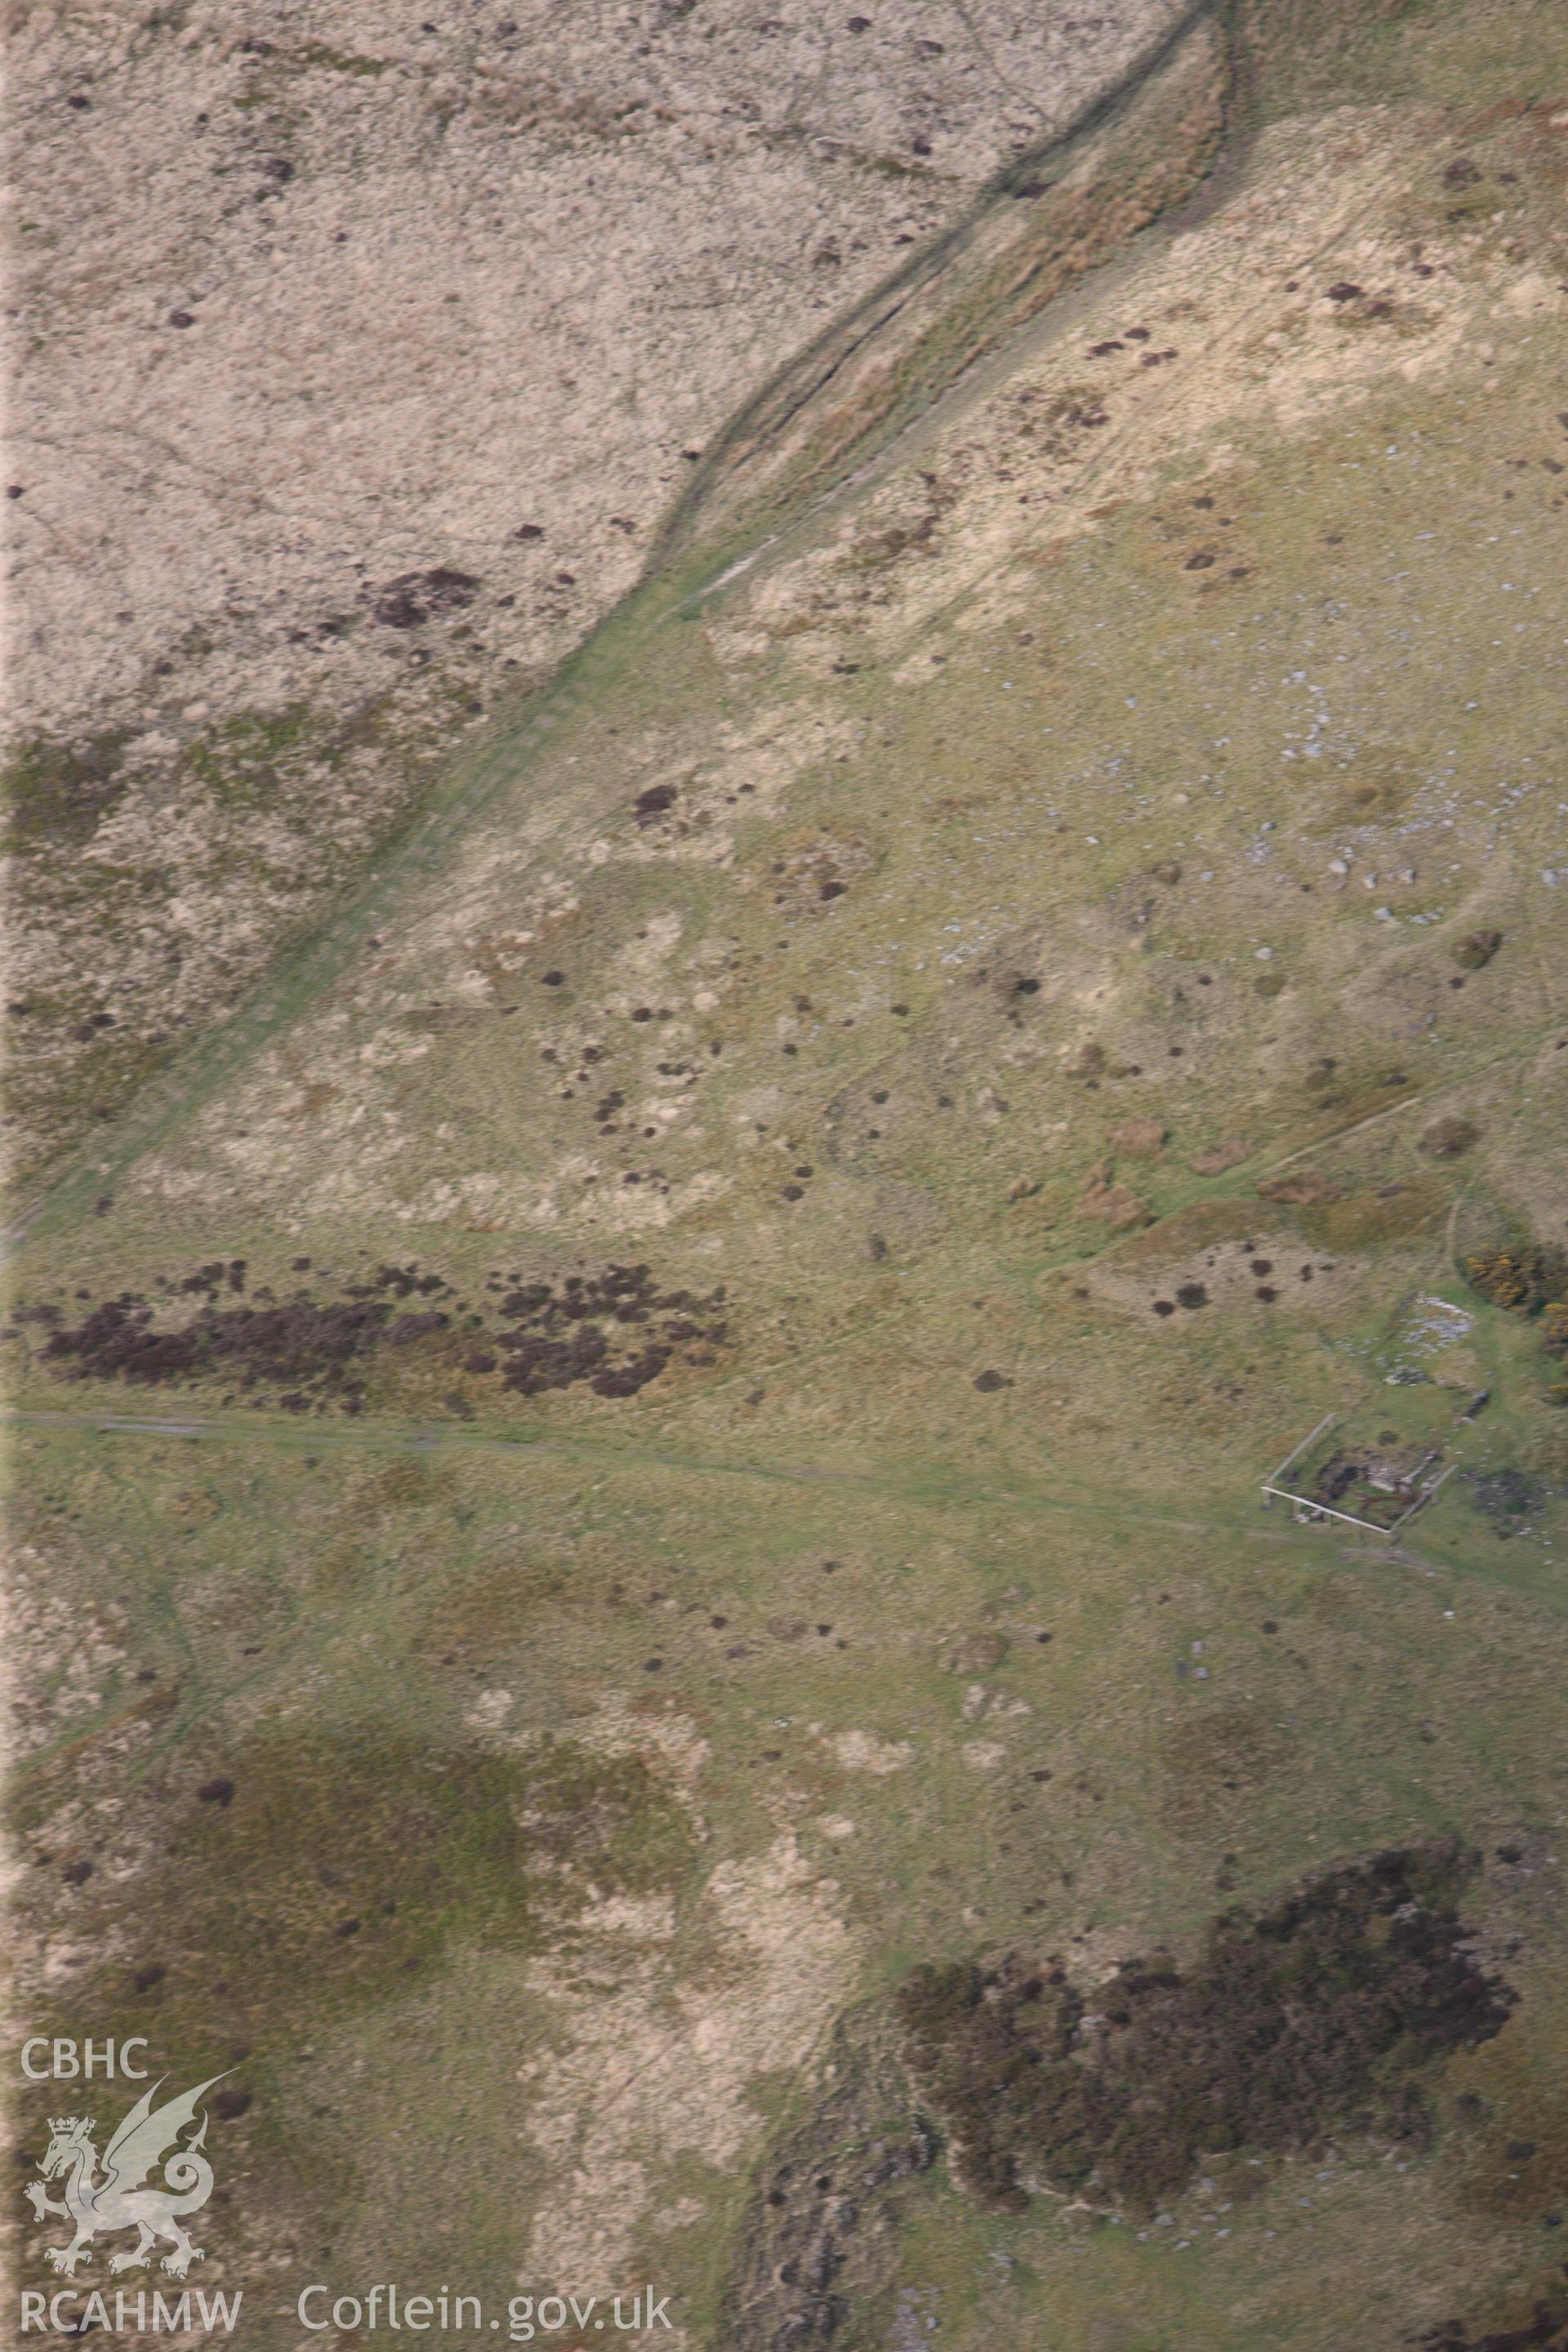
(118, 2201)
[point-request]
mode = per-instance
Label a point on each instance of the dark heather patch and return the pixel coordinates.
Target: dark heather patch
(1545, 2330)
(614, 1330)
(1476, 949)
(1288, 2022)
(649, 806)
(413, 596)
(1511, 1497)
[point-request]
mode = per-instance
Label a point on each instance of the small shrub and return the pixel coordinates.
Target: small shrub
(1446, 1139)
(1554, 1329)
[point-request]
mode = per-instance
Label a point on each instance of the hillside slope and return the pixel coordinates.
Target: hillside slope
(664, 1432)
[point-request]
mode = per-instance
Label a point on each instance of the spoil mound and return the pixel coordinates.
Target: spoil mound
(1289, 2021)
